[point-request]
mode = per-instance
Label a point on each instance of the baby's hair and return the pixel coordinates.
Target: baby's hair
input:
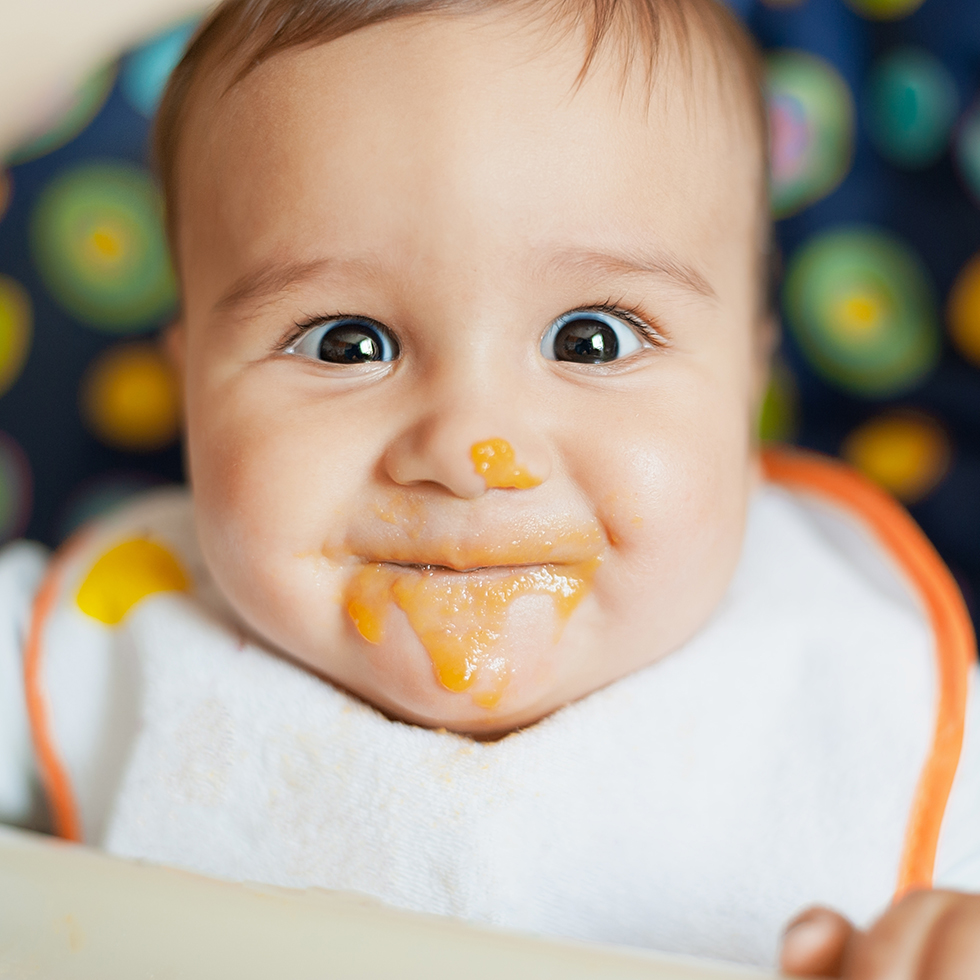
(240, 35)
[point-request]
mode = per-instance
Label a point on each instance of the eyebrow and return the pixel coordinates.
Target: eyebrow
(663, 265)
(273, 279)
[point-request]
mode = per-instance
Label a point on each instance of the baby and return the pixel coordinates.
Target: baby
(484, 606)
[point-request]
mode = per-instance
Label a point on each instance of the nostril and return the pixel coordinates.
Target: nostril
(418, 461)
(494, 460)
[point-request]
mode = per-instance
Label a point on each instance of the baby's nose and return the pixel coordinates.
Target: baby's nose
(468, 456)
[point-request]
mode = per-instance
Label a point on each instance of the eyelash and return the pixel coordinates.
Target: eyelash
(634, 317)
(631, 315)
(309, 322)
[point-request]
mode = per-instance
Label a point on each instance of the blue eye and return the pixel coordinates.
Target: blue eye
(589, 337)
(346, 340)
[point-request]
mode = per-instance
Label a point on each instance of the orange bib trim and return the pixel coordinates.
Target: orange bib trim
(955, 641)
(65, 816)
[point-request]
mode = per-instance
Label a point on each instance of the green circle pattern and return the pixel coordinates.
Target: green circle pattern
(98, 242)
(861, 307)
(812, 115)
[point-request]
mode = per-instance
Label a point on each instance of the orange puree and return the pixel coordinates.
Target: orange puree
(494, 461)
(460, 616)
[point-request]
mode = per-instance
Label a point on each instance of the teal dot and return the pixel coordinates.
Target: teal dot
(97, 237)
(861, 307)
(911, 105)
(146, 71)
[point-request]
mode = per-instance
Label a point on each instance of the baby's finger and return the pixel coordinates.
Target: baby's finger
(953, 950)
(814, 944)
(928, 935)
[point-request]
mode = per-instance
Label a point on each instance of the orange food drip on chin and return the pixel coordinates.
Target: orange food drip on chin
(493, 459)
(368, 596)
(460, 617)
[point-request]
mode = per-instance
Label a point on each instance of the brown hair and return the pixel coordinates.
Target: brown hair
(240, 35)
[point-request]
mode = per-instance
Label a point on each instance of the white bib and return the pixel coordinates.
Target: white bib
(694, 806)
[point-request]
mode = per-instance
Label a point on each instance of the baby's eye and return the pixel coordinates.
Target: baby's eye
(589, 337)
(346, 340)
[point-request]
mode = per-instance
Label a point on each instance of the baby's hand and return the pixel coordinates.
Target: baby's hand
(928, 935)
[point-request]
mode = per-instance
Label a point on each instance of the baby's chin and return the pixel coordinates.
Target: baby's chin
(520, 678)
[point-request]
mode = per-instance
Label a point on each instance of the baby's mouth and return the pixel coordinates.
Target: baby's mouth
(436, 568)
(457, 597)
(483, 549)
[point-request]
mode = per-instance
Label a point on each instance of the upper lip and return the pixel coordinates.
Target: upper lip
(485, 551)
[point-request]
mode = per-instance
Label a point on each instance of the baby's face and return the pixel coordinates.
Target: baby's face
(471, 361)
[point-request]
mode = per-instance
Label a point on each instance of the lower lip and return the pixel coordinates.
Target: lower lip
(460, 616)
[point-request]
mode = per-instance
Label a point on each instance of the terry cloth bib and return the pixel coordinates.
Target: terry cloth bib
(799, 749)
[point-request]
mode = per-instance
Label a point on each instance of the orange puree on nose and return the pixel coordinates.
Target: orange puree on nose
(494, 461)
(460, 616)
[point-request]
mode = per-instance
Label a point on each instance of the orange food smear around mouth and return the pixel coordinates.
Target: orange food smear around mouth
(493, 459)
(406, 514)
(368, 596)
(460, 617)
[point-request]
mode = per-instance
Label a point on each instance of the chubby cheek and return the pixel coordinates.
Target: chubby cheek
(675, 516)
(268, 491)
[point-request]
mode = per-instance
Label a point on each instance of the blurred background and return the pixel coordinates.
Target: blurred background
(875, 108)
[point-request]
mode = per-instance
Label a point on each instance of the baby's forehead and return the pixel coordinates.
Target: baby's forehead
(472, 171)
(494, 128)
(692, 51)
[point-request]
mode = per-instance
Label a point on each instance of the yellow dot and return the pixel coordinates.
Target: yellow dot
(885, 9)
(108, 244)
(126, 574)
(129, 398)
(906, 454)
(964, 311)
(16, 322)
(859, 315)
(779, 415)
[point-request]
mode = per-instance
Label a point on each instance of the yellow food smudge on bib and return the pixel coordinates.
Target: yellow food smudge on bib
(459, 617)
(125, 574)
(494, 460)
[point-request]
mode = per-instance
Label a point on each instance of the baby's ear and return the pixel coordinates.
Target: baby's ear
(174, 345)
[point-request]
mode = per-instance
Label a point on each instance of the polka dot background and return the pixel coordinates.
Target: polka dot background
(97, 242)
(879, 246)
(88, 402)
(875, 108)
(859, 304)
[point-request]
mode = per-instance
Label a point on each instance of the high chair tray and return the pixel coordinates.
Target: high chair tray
(69, 911)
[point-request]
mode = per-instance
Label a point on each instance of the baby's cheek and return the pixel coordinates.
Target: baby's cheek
(675, 520)
(254, 504)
